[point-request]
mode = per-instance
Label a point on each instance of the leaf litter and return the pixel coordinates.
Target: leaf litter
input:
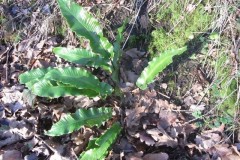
(151, 121)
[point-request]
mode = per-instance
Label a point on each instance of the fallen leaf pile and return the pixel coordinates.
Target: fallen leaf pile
(154, 125)
(157, 123)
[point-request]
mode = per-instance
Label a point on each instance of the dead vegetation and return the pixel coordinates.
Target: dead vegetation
(175, 118)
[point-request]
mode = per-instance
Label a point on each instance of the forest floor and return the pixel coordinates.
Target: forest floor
(177, 117)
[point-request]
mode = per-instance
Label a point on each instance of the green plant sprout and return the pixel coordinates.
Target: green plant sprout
(66, 81)
(72, 81)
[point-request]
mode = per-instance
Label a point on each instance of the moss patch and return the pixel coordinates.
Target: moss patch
(177, 24)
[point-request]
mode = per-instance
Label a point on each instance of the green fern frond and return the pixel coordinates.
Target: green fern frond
(82, 117)
(117, 52)
(117, 43)
(80, 79)
(98, 148)
(31, 77)
(51, 89)
(34, 74)
(157, 65)
(83, 57)
(84, 24)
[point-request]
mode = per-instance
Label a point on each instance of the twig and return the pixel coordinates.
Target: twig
(133, 24)
(126, 8)
(7, 60)
(164, 95)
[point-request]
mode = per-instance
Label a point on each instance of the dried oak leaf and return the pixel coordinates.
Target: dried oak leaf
(41, 150)
(17, 130)
(11, 155)
(189, 100)
(134, 156)
(144, 137)
(167, 118)
(197, 88)
(131, 76)
(134, 53)
(162, 138)
(13, 99)
(155, 156)
(133, 116)
(207, 140)
(224, 152)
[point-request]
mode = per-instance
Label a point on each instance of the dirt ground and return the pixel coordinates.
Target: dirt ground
(157, 122)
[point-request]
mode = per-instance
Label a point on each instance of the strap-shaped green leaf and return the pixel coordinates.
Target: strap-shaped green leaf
(80, 79)
(82, 56)
(34, 74)
(46, 88)
(117, 43)
(117, 52)
(82, 117)
(57, 82)
(157, 65)
(102, 144)
(31, 77)
(84, 24)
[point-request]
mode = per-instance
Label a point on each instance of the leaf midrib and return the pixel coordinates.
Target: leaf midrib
(76, 79)
(86, 27)
(155, 67)
(76, 121)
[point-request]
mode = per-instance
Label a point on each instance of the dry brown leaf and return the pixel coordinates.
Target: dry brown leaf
(12, 98)
(189, 100)
(134, 156)
(40, 45)
(125, 145)
(32, 156)
(195, 108)
(139, 65)
(133, 116)
(191, 147)
(217, 129)
(31, 143)
(167, 118)
(236, 150)
(144, 137)
(197, 88)
(156, 156)
(78, 102)
(224, 152)
(163, 138)
(24, 45)
(163, 104)
(189, 128)
(207, 140)
(131, 76)
(81, 139)
(18, 130)
(3, 50)
(42, 149)
(11, 155)
(134, 53)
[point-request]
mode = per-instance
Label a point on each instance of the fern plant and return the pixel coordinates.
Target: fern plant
(98, 147)
(59, 82)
